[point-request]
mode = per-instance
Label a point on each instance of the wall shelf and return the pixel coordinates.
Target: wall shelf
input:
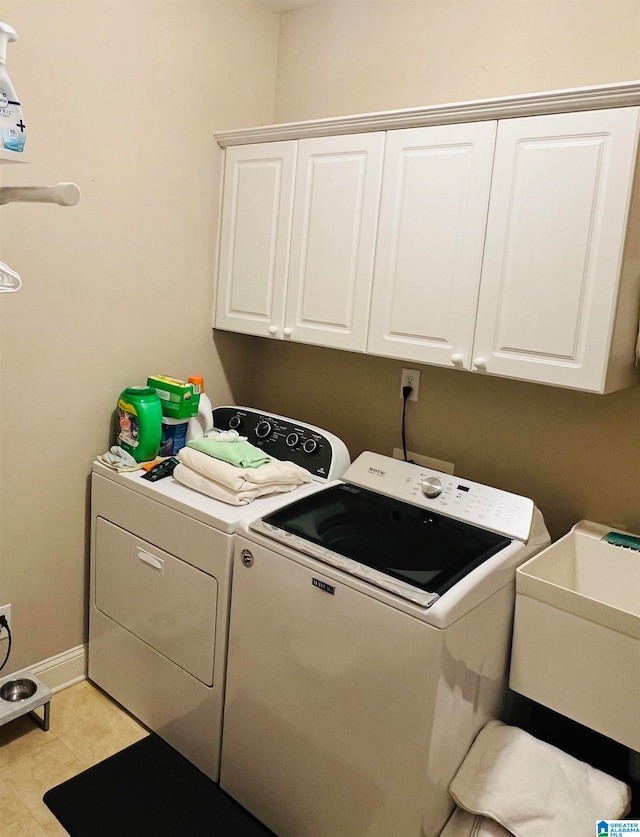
(12, 157)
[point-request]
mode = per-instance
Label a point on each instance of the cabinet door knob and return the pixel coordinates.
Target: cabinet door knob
(457, 359)
(287, 332)
(480, 363)
(272, 329)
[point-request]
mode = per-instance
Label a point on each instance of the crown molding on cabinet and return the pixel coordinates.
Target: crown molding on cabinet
(529, 104)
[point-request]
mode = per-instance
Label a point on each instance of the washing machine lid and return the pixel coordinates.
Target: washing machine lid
(414, 553)
(410, 530)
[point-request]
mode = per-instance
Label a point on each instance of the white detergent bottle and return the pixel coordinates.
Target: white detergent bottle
(13, 134)
(202, 423)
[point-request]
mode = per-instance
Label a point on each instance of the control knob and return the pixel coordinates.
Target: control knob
(310, 446)
(235, 422)
(292, 440)
(263, 429)
(431, 486)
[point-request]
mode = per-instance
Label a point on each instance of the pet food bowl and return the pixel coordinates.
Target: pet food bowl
(20, 694)
(20, 689)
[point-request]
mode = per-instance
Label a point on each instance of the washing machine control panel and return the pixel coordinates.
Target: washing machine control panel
(320, 452)
(480, 505)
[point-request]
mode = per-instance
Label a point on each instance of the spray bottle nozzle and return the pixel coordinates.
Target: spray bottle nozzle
(7, 35)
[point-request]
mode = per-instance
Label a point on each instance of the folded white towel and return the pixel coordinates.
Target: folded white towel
(532, 788)
(187, 476)
(464, 824)
(274, 472)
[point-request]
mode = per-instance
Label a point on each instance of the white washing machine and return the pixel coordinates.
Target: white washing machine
(160, 583)
(369, 643)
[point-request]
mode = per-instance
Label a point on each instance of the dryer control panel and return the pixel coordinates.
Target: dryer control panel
(324, 455)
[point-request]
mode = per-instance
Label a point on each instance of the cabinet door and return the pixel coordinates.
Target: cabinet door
(555, 237)
(433, 214)
(255, 234)
(337, 195)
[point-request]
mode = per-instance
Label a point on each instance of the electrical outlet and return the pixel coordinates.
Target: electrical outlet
(425, 461)
(5, 610)
(410, 378)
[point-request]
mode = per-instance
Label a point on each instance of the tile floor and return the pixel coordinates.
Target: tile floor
(85, 727)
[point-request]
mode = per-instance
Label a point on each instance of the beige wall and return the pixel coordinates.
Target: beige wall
(576, 454)
(122, 98)
(355, 56)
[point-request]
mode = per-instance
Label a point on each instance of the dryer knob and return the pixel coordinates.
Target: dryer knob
(263, 429)
(235, 422)
(431, 487)
(310, 446)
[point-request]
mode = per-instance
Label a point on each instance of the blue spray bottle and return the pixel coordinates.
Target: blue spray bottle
(13, 132)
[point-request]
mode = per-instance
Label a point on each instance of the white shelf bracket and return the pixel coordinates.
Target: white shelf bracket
(64, 194)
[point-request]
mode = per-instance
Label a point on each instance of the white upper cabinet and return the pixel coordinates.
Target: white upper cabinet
(337, 195)
(500, 236)
(433, 215)
(257, 207)
(298, 237)
(558, 300)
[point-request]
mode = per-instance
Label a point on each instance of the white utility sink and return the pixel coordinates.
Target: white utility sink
(576, 642)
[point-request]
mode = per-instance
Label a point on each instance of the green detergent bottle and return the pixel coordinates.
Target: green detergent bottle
(140, 422)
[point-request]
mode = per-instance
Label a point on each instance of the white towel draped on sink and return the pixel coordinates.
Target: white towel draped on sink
(530, 789)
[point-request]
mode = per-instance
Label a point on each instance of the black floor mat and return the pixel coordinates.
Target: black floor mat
(148, 790)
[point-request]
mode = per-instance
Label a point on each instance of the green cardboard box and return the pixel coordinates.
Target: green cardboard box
(177, 398)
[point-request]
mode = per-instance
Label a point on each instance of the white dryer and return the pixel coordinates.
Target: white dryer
(160, 583)
(369, 643)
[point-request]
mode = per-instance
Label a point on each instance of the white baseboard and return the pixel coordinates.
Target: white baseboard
(64, 669)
